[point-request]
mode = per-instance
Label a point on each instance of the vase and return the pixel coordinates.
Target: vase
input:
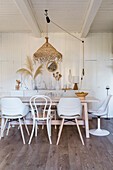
(70, 79)
(57, 85)
(34, 87)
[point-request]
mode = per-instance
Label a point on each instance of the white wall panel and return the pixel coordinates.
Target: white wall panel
(7, 75)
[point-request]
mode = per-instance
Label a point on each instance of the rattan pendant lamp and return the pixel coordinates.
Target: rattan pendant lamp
(47, 52)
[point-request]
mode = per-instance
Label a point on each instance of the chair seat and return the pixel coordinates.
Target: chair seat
(98, 113)
(92, 111)
(41, 116)
(25, 112)
(69, 116)
(52, 110)
(12, 117)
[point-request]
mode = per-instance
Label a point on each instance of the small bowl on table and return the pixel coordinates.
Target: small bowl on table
(81, 95)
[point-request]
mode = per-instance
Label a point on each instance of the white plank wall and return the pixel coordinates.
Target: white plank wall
(14, 47)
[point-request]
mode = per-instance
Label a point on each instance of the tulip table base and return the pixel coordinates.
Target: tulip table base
(99, 132)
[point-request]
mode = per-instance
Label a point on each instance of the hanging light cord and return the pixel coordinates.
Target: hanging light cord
(66, 31)
(83, 58)
(48, 21)
(74, 37)
(46, 29)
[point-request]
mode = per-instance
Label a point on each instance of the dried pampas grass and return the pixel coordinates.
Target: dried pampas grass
(38, 71)
(29, 64)
(24, 71)
(29, 71)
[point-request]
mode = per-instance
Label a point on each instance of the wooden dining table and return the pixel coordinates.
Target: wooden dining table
(82, 121)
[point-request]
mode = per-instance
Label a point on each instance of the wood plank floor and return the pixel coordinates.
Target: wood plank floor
(97, 154)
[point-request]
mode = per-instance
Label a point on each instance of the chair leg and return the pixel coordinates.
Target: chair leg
(36, 129)
(79, 131)
(42, 126)
(4, 126)
(21, 129)
(60, 131)
(48, 130)
(8, 129)
(50, 126)
(32, 133)
(98, 122)
(26, 127)
(55, 119)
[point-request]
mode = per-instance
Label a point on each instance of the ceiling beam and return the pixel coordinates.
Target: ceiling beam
(26, 11)
(91, 13)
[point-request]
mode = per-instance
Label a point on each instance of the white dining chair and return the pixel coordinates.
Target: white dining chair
(44, 117)
(12, 109)
(102, 111)
(69, 109)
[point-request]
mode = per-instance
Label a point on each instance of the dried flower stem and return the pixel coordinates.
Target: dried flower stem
(57, 76)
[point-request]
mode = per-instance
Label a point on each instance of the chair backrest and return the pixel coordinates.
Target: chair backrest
(38, 100)
(103, 107)
(69, 106)
(11, 106)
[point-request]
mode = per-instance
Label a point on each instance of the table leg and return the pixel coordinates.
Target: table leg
(2, 125)
(86, 120)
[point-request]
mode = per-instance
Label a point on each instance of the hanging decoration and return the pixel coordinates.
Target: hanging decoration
(47, 52)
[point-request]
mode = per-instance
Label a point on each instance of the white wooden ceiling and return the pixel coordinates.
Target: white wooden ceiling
(81, 16)
(103, 21)
(69, 14)
(11, 20)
